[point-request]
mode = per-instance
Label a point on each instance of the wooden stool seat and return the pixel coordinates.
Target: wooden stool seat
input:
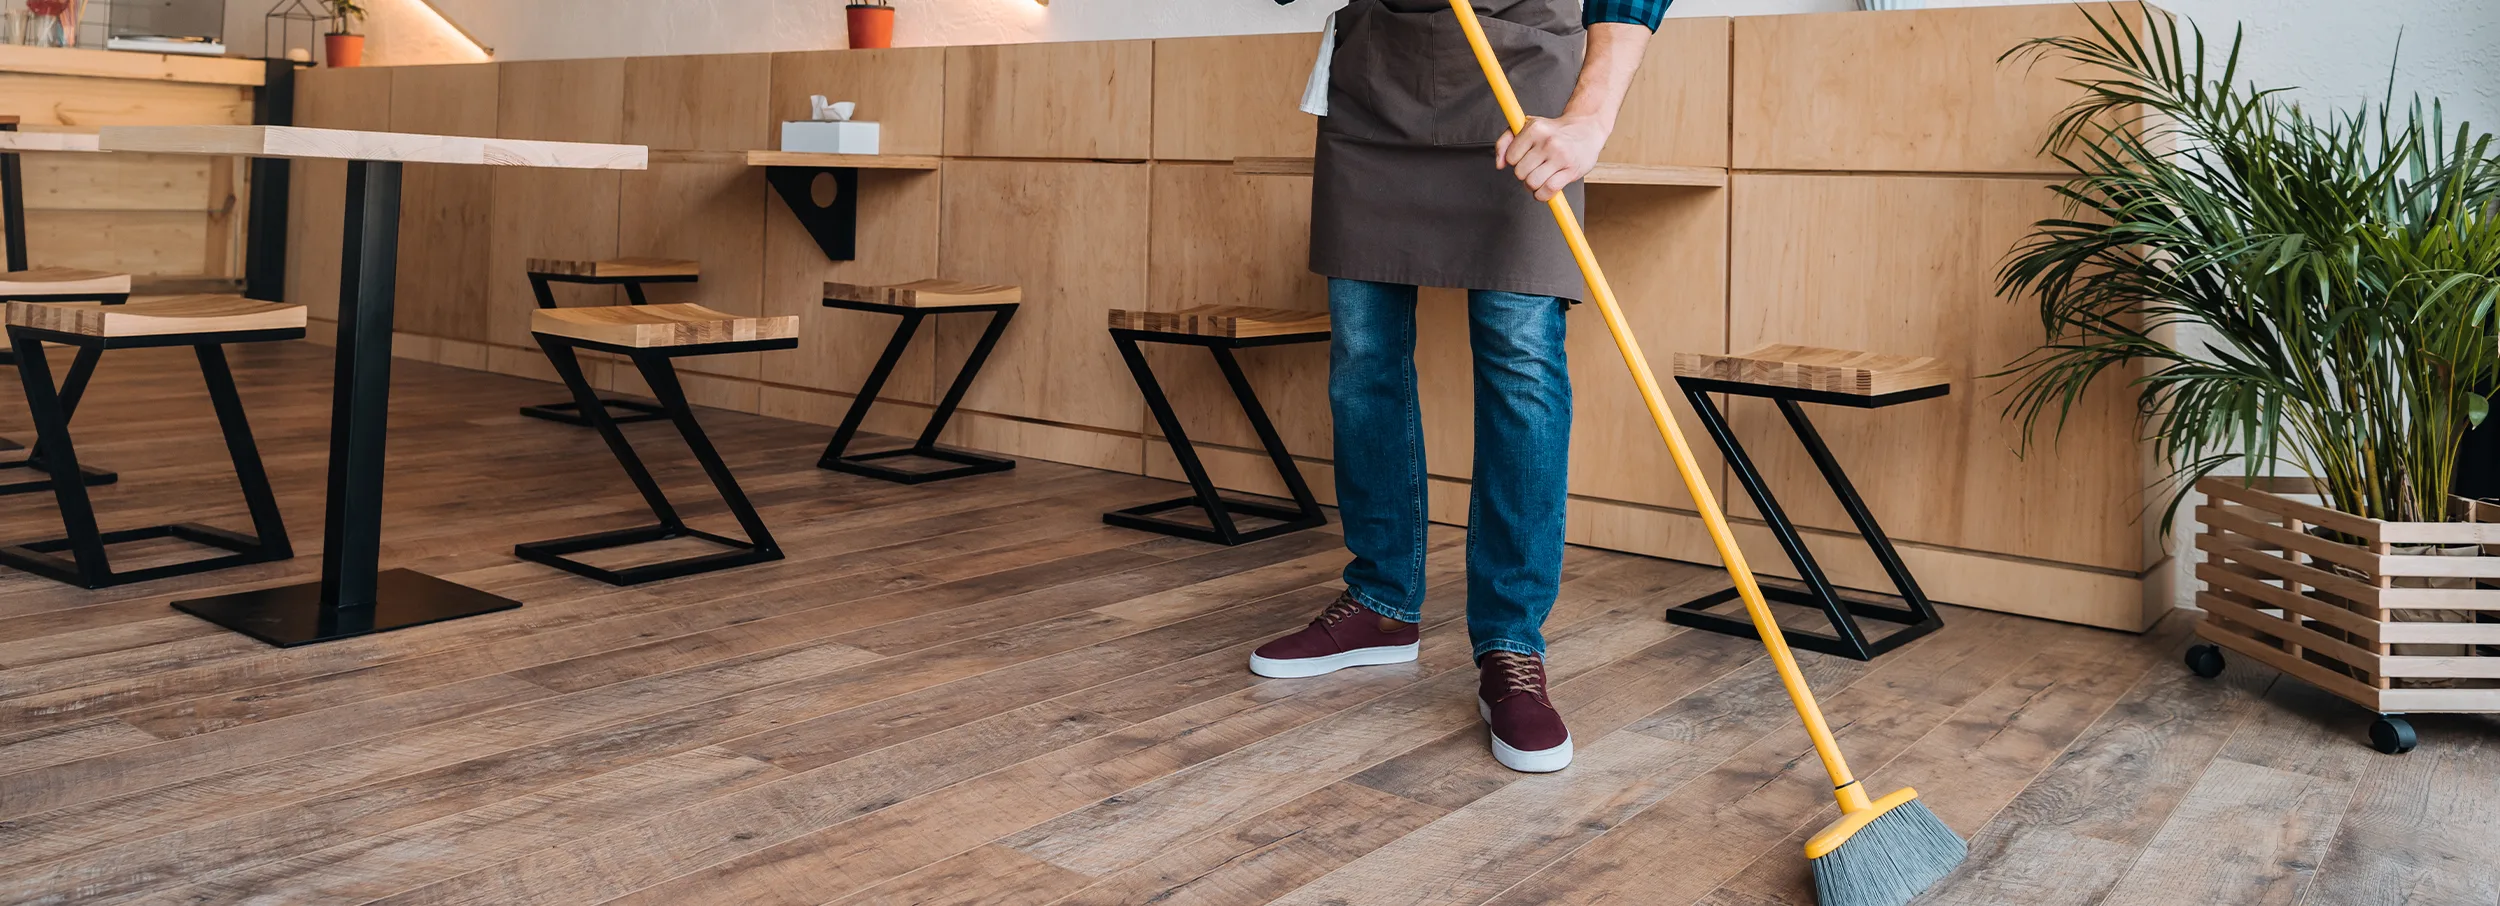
(1232, 321)
(156, 317)
(63, 281)
(1818, 370)
(926, 294)
(615, 268)
(650, 326)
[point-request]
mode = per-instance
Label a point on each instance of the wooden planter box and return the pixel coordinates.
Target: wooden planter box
(2331, 612)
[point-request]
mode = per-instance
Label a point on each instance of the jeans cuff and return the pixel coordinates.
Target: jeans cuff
(1490, 645)
(1403, 615)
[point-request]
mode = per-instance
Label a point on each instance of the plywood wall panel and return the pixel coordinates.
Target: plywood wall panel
(1665, 253)
(1090, 99)
(563, 100)
(46, 100)
(445, 225)
(1675, 112)
(1228, 97)
(1917, 91)
(1074, 236)
(317, 189)
(698, 103)
(901, 90)
(553, 213)
(1225, 239)
(1907, 265)
(898, 243)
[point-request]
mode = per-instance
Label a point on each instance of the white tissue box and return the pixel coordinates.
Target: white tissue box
(829, 138)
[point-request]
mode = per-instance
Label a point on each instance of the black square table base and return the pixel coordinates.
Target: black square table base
(292, 615)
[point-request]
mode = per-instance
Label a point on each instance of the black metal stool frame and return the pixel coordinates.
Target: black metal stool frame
(89, 566)
(570, 412)
(661, 375)
(1221, 529)
(13, 222)
(966, 462)
(1847, 639)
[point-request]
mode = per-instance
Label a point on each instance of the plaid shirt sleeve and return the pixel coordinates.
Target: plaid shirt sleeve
(1644, 13)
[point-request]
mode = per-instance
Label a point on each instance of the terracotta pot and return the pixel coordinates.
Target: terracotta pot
(870, 26)
(344, 50)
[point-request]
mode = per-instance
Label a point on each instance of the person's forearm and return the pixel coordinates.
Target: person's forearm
(1615, 50)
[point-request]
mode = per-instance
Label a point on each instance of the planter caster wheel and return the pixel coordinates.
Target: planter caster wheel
(2206, 661)
(2392, 734)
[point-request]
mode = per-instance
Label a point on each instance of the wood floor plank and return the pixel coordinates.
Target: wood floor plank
(988, 876)
(1261, 859)
(2421, 827)
(38, 749)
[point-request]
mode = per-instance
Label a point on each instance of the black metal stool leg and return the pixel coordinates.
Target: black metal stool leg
(966, 462)
(569, 412)
(81, 371)
(1221, 528)
(1847, 638)
(89, 565)
(1921, 612)
(757, 547)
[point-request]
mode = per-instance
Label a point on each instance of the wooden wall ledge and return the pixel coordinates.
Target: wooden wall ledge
(1606, 174)
(117, 64)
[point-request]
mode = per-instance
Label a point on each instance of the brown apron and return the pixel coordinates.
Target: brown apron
(1405, 190)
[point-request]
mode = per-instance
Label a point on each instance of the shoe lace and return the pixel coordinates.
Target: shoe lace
(1344, 607)
(1518, 673)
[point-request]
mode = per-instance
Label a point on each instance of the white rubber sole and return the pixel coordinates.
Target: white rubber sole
(1295, 668)
(1541, 762)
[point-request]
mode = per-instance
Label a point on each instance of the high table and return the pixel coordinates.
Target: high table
(355, 596)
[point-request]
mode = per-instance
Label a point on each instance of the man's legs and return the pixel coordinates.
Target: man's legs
(1523, 461)
(1379, 444)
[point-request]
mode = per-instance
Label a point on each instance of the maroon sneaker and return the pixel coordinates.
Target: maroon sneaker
(1347, 634)
(1528, 734)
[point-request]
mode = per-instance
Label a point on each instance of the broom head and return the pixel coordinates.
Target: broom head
(1883, 855)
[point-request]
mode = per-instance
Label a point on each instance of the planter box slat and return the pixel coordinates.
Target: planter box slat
(2255, 588)
(2325, 608)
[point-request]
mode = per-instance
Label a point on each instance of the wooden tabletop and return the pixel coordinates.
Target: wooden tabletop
(48, 141)
(342, 144)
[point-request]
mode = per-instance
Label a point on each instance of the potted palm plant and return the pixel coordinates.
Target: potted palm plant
(2285, 292)
(344, 46)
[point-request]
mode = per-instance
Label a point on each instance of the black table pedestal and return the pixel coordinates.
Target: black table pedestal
(354, 597)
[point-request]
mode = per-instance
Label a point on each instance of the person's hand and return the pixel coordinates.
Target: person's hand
(1551, 154)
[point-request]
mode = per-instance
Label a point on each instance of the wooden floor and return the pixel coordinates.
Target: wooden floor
(974, 692)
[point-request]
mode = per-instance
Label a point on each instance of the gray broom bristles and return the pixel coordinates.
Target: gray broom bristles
(1890, 861)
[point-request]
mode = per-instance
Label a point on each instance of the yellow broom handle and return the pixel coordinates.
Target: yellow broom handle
(1851, 798)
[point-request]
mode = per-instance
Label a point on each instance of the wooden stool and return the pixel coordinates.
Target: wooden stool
(59, 284)
(652, 336)
(1221, 329)
(1789, 375)
(630, 273)
(204, 323)
(915, 302)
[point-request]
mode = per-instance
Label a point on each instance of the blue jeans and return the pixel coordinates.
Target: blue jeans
(1523, 457)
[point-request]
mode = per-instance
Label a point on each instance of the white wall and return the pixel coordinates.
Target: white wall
(2336, 50)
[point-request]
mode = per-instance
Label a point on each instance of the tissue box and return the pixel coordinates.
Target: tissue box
(829, 138)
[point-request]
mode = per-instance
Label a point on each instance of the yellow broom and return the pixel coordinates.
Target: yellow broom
(1881, 852)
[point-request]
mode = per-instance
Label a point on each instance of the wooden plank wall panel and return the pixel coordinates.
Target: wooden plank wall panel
(445, 223)
(903, 91)
(46, 100)
(704, 207)
(1222, 98)
(168, 215)
(551, 213)
(1079, 100)
(1665, 252)
(1223, 239)
(1074, 235)
(1676, 110)
(1907, 265)
(1916, 91)
(317, 189)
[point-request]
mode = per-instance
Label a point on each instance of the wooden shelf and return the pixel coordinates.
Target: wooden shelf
(829, 161)
(1605, 174)
(120, 64)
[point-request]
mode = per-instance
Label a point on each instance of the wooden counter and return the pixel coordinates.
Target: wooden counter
(1839, 179)
(144, 214)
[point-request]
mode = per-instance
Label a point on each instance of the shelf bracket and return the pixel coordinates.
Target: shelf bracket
(835, 225)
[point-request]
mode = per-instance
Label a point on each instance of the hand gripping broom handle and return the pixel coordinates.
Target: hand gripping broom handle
(1845, 786)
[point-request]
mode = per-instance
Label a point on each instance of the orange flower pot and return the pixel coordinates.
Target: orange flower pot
(344, 50)
(871, 26)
